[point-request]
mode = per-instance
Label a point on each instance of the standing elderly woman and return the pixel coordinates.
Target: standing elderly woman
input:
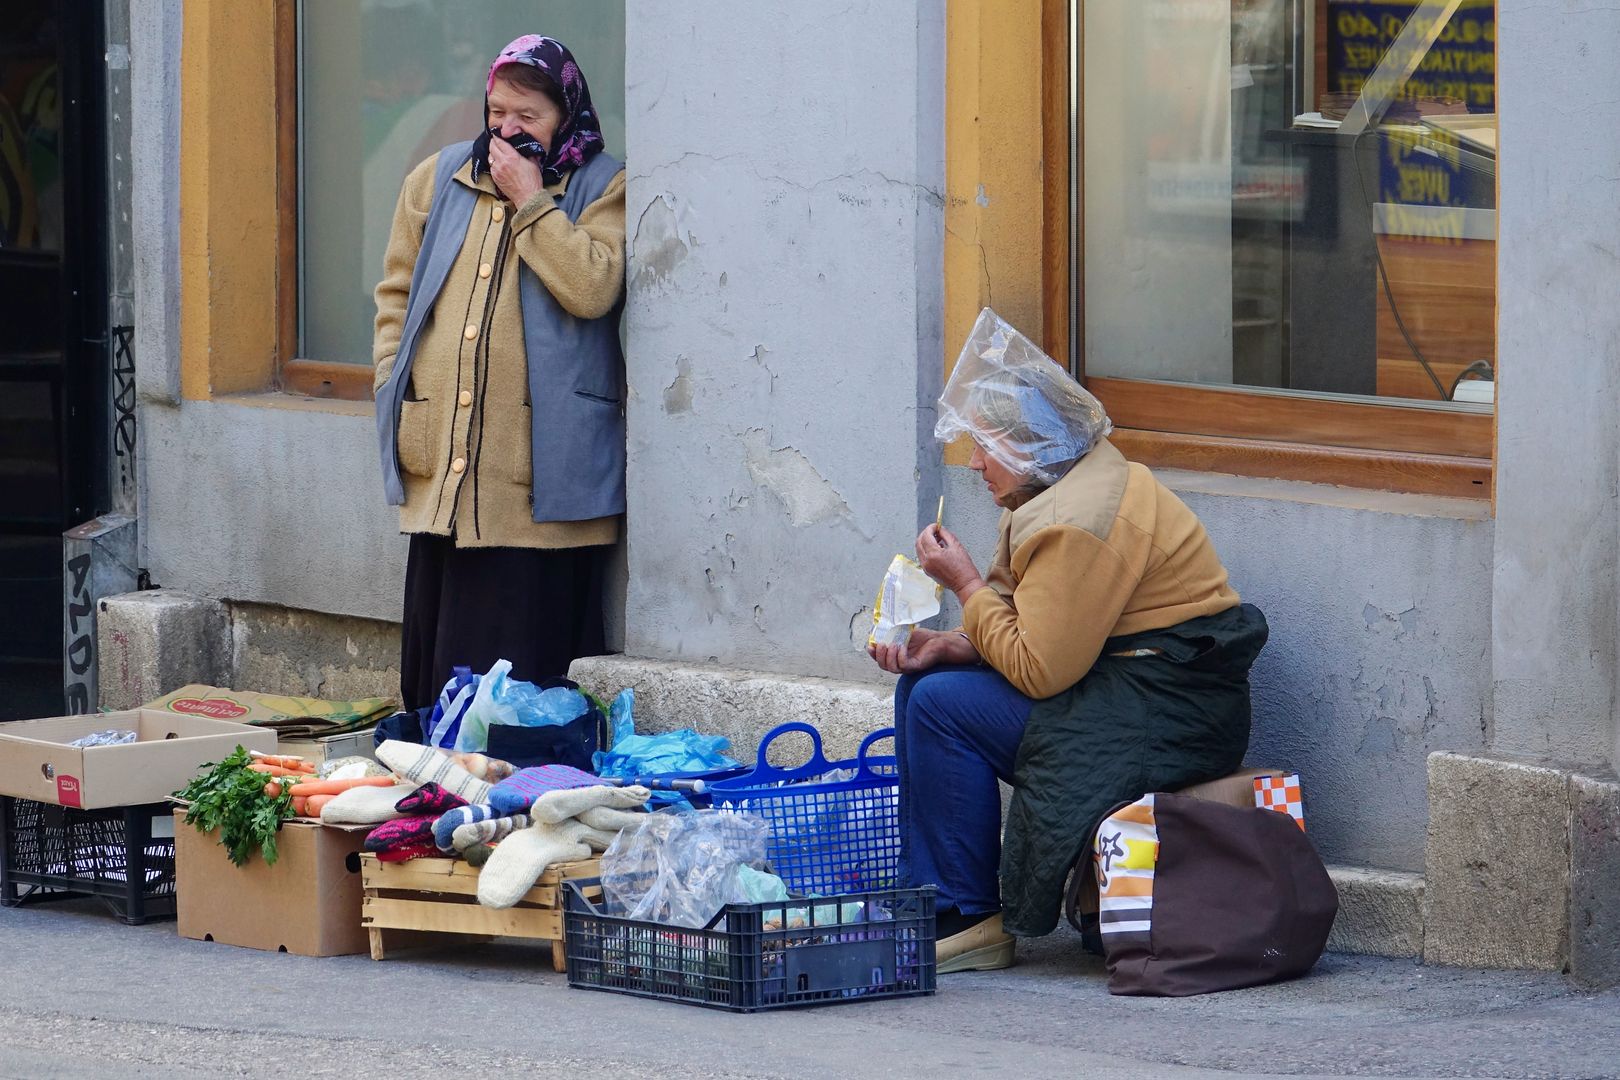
(1103, 656)
(499, 380)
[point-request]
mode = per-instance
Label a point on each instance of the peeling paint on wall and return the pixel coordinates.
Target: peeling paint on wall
(758, 356)
(658, 248)
(809, 497)
(860, 627)
(678, 394)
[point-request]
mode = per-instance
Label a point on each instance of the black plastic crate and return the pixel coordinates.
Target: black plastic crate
(56, 852)
(759, 956)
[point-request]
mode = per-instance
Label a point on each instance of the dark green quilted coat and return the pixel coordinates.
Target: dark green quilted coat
(1131, 726)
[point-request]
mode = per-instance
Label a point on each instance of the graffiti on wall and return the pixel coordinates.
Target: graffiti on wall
(123, 404)
(81, 636)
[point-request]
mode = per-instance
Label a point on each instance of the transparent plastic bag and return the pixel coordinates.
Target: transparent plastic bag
(681, 867)
(906, 597)
(110, 737)
(501, 699)
(1018, 404)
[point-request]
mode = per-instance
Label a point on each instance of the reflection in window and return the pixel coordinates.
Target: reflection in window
(30, 130)
(1292, 194)
(383, 85)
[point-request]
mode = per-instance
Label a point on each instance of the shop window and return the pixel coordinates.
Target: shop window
(379, 86)
(1285, 234)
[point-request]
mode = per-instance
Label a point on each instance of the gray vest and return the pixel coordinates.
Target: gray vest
(576, 368)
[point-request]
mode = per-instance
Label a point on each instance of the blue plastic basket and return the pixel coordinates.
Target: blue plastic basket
(840, 836)
(777, 955)
(670, 782)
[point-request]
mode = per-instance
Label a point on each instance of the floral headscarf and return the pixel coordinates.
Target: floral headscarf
(579, 136)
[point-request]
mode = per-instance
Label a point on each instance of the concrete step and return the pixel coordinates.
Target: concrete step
(741, 705)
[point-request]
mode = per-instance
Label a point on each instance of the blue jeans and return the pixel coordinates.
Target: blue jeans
(957, 731)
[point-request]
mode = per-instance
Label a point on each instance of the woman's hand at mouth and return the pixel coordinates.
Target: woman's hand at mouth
(943, 558)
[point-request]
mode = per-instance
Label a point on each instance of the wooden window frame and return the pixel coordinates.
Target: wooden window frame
(295, 374)
(1247, 432)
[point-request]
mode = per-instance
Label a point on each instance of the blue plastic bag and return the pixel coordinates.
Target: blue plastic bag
(632, 755)
(501, 699)
(454, 700)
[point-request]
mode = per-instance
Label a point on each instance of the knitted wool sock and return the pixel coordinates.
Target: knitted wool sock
(406, 852)
(610, 820)
(520, 859)
(427, 764)
(452, 820)
(366, 805)
(558, 806)
(477, 855)
(488, 831)
(596, 839)
(402, 832)
(517, 792)
(429, 799)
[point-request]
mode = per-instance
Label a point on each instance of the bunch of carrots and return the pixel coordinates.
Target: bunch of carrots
(309, 793)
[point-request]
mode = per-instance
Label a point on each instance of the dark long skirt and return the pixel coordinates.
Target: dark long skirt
(473, 606)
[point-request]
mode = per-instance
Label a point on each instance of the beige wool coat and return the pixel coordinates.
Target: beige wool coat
(464, 426)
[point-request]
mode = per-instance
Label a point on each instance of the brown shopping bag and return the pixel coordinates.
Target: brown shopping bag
(1198, 896)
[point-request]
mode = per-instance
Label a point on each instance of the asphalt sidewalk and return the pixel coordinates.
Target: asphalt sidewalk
(87, 996)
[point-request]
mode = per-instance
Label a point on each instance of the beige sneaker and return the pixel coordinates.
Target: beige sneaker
(984, 946)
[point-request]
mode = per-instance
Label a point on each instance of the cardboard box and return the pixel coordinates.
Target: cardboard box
(307, 903)
(331, 747)
(1235, 790)
(37, 763)
(294, 717)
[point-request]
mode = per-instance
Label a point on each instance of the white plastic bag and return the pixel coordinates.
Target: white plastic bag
(503, 700)
(485, 710)
(906, 597)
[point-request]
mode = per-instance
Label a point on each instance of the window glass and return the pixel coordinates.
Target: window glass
(30, 130)
(1296, 195)
(383, 85)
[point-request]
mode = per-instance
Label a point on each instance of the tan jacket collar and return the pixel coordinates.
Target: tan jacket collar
(1087, 497)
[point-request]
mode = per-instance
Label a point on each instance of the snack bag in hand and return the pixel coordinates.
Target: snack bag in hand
(906, 597)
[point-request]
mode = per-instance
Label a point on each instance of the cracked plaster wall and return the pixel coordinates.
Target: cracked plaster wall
(1380, 614)
(783, 322)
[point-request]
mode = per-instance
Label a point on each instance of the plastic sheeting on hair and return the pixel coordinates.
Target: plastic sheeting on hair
(1018, 405)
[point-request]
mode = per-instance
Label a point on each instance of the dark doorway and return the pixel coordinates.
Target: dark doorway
(53, 326)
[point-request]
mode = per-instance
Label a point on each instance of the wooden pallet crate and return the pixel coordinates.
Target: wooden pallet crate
(434, 902)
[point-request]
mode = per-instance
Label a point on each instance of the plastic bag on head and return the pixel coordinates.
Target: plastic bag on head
(1018, 404)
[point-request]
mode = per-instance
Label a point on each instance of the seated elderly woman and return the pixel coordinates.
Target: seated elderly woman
(1102, 656)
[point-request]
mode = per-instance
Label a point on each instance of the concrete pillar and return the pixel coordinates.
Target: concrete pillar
(1555, 611)
(1522, 843)
(154, 642)
(154, 50)
(786, 223)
